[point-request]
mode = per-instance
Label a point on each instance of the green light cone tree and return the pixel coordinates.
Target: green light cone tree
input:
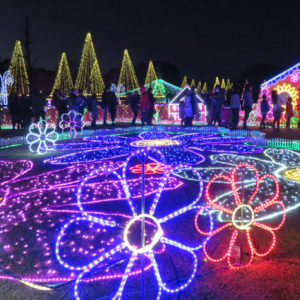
(63, 80)
(204, 88)
(18, 70)
(193, 83)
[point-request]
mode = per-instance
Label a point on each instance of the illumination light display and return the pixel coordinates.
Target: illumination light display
(151, 74)
(88, 58)
(287, 84)
(126, 246)
(18, 70)
(242, 217)
(71, 123)
(5, 80)
(63, 80)
(41, 137)
(88, 200)
(184, 82)
(97, 82)
(127, 75)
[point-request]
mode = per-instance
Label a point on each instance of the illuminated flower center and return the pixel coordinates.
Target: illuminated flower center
(243, 217)
(293, 174)
(155, 143)
(42, 137)
(132, 233)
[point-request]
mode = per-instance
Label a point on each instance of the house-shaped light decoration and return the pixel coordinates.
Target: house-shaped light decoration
(173, 106)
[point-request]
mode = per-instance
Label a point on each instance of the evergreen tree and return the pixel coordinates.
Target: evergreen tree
(127, 76)
(17, 69)
(97, 82)
(151, 74)
(63, 80)
(88, 57)
(184, 82)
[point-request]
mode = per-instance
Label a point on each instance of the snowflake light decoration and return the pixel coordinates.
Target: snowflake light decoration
(41, 137)
(72, 123)
(243, 218)
(6, 79)
(128, 246)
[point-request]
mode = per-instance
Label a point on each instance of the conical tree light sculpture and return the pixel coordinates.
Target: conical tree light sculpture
(127, 77)
(151, 74)
(18, 70)
(97, 82)
(193, 83)
(204, 88)
(88, 57)
(199, 86)
(184, 82)
(217, 82)
(63, 80)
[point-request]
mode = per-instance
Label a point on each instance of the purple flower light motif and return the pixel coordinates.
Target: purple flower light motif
(41, 137)
(124, 242)
(72, 123)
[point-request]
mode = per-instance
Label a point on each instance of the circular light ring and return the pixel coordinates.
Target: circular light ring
(156, 143)
(155, 240)
(235, 222)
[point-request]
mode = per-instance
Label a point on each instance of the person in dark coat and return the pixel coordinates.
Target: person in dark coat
(144, 104)
(82, 102)
(74, 101)
(218, 101)
(112, 106)
(38, 103)
(12, 109)
(61, 105)
(134, 102)
(104, 104)
(93, 108)
(26, 111)
(151, 105)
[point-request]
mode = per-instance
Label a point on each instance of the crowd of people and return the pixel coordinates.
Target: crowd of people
(25, 109)
(222, 107)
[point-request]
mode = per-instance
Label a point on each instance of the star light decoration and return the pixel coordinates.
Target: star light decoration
(41, 137)
(241, 218)
(126, 245)
(72, 123)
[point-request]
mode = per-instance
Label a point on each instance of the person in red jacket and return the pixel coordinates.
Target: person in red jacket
(144, 105)
(289, 112)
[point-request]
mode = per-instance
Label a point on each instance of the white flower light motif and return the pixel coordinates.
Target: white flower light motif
(72, 123)
(41, 137)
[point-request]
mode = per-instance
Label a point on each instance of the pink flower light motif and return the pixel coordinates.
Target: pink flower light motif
(72, 123)
(123, 243)
(241, 218)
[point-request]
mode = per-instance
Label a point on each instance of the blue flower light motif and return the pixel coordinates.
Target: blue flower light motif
(124, 244)
(41, 137)
(72, 123)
